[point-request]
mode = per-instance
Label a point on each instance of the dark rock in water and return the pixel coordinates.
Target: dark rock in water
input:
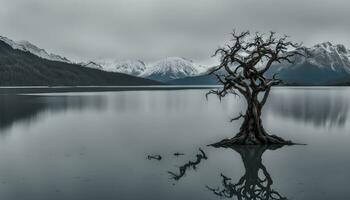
(178, 154)
(154, 157)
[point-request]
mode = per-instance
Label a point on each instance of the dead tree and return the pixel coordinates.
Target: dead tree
(243, 64)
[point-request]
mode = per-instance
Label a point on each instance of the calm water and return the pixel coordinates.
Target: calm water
(76, 146)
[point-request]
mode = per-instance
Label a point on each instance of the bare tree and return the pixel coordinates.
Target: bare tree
(241, 72)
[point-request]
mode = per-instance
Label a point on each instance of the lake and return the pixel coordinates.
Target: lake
(94, 145)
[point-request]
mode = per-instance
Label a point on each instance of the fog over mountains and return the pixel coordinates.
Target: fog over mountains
(326, 64)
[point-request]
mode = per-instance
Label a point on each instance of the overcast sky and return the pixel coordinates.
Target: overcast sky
(154, 29)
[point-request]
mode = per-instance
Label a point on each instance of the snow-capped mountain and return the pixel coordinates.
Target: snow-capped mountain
(164, 70)
(337, 57)
(31, 48)
(325, 63)
(325, 55)
(172, 68)
(18, 68)
(131, 67)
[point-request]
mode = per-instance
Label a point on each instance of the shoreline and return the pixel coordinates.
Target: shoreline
(64, 89)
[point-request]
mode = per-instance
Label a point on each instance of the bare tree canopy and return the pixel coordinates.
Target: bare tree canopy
(243, 64)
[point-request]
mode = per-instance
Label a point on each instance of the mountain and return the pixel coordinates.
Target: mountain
(325, 64)
(195, 80)
(19, 67)
(131, 67)
(29, 47)
(172, 68)
(168, 69)
(92, 65)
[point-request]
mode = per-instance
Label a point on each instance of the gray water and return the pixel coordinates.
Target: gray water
(94, 145)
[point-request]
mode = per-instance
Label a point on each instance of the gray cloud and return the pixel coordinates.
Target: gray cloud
(153, 29)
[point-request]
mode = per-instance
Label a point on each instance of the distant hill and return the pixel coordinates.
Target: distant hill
(292, 80)
(22, 68)
(195, 80)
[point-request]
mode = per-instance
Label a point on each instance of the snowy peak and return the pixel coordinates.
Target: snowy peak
(164, 70)
(323, 64)
(172, 68)
(92, 65)
(131, 67)
(13, 44)
(329, 47)
(326, 55)
(31, 48)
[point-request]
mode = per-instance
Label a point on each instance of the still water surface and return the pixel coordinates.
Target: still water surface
(94, 145)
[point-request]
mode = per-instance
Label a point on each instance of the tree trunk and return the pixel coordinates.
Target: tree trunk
(252, 131)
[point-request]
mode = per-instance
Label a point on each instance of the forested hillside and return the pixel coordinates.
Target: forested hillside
(20, 68)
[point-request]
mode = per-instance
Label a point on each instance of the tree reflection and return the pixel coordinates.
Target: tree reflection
(256, 183)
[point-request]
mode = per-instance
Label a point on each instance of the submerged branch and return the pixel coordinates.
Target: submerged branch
(188, 165)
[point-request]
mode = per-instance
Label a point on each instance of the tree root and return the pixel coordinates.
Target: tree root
(245, 139)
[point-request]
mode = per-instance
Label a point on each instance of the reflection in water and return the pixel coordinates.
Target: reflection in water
(93, 146)
(26, 108)
(190, 164)
(320, 108)
(14, 108)
(255, 183)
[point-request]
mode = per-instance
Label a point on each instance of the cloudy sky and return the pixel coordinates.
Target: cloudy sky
(154, 29)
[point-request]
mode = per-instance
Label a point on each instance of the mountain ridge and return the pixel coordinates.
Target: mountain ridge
(169, 68)
(172, 68)
(24, 45)
(22, 68)
(326, 64)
